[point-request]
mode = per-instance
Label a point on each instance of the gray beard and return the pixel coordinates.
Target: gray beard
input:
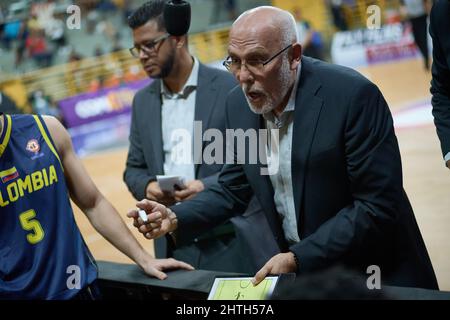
(263, 110)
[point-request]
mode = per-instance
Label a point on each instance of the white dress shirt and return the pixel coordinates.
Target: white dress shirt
(177, 115)
(447, 157)
(281, 156)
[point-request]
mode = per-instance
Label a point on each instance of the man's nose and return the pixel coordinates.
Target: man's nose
(143, 55)
(244, 75)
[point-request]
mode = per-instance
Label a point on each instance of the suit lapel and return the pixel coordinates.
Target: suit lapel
(204, 104)
(306, 115)
(154, 124)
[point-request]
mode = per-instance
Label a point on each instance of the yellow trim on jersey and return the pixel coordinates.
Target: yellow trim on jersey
(47, 139)
(8, 172)
(7, 135)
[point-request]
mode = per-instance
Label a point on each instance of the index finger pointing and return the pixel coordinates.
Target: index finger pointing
(260, 275)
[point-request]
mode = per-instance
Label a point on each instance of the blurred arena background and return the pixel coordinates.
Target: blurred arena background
(87, 78)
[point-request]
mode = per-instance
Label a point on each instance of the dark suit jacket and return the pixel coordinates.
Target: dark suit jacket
(347, 181)
(145, 159)
(440, 84)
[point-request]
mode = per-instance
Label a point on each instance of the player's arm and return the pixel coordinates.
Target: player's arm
(102, 215)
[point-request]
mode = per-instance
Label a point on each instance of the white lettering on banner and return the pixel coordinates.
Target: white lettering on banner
(364, 46)
(111, 102)
(93, 107)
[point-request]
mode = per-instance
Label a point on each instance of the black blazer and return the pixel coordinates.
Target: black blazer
(145, 161)
(440, 83)
(145, 156)
(347, 181)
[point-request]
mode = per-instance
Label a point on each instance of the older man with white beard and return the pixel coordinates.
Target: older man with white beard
(337, 196)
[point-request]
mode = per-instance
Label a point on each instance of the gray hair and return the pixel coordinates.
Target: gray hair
(289, 29)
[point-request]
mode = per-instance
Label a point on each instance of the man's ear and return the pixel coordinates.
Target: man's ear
(180, 40)
(296, 55)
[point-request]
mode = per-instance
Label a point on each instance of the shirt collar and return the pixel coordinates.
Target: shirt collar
(189, 87)
(290, 107)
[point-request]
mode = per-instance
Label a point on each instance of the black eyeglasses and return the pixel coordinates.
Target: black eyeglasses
(149, 46)
(253, 65)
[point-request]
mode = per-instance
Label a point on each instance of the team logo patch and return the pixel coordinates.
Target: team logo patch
(34, 147)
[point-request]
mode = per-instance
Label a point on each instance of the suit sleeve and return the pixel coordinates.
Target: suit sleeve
(210, 180)
(375, 177)
(440, 83)
(136, 175)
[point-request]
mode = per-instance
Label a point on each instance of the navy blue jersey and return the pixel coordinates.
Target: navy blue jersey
(42, 253)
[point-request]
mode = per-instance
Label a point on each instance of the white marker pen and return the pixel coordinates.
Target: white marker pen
(143, 215)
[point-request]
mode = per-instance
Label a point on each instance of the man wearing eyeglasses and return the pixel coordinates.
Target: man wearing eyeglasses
(183, 90)
(337, 196)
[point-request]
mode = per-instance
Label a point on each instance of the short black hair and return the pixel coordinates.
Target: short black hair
(151, 10)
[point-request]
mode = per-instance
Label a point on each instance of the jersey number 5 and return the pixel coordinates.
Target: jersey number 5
(30, 224)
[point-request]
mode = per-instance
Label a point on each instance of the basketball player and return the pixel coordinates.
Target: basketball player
(42, 253)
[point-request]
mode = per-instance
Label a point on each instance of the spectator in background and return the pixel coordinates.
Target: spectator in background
(21, 46)
(74, 56)
(310, 39)
(337, 11)
(91, 21)
(33, 22)
(10, 33)
(105, 27)
(116, 44)
(96, 84)
(98, 52)
(55, 31)
(43, 104)
(416, 12)
(218, 6)
(230, 5)
(37, 47)
(105, 6)
(115, 80)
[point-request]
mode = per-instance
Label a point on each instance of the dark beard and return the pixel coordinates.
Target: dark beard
(167, 67)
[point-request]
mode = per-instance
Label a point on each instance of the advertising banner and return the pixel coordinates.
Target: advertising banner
(103, 104)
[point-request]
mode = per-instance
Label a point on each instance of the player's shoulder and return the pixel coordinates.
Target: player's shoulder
(58, 132)
(53, 123)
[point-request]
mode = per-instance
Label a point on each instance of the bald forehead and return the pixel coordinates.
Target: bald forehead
(262, 25)
(251, 33)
